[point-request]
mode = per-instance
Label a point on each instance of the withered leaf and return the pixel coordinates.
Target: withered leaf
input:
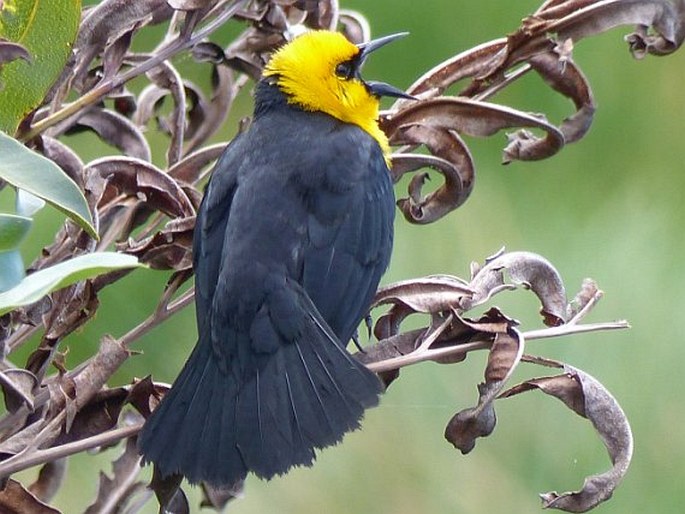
(189, 169)
(145, 395)
(167, 79)
(529, 270)
(64, 157)
(169, 248)
(564, 76)
(10, 51)
(49, 480)
(18, 387)
(189, 5)
(108, 21)
(218, 497)
(588, 398)
(14, 499)
(99, 414)
(450, 156)
(111, 176)
(115, 130)
(429, 294)
(207, 116)
(169, 494)
(476, 61)
(115, 493)
(469, 424)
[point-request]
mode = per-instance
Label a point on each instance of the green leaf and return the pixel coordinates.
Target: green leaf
(11, 269)
(27, 170)
(47, 29)
(42, 282)
(13, 228)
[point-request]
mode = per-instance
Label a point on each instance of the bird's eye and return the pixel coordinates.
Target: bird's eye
(345, 70)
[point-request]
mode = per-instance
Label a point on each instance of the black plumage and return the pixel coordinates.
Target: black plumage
(292, 237)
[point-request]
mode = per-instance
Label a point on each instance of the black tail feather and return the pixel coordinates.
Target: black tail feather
(264, 414)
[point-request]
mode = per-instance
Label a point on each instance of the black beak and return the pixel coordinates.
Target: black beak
(381, 88)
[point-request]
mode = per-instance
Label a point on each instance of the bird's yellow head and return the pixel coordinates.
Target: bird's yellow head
(320, 71)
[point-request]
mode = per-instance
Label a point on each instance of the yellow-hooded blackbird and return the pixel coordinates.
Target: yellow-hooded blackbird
(292, 237)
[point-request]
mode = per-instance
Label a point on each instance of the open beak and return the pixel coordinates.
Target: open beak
(381, 88)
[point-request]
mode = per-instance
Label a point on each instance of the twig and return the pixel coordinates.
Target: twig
(37, 457)
(157, 317)
(427, 354)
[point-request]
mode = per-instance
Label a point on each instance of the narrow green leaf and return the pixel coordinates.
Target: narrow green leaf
(13, 228)
(47, 29)
(27, 170)
(42, 282)
(11, 269)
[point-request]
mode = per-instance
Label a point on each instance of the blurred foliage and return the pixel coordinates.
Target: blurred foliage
(609, 206)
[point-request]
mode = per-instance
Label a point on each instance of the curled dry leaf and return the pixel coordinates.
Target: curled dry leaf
(544, 43)
(218, 497)
(10, 51)
(166, 79)
(169, 248)
(116, 130)
(562, 75)
(64, 157)
(527, 269)
(115, 493)
(50, 478)
(190, 168)
(450, 156)
(169, 494)
(99, 414)
(14, 499)
(436, 123)
(18, 388)
(469, 424)
(111, 176)
(107, 22)
(588, 398)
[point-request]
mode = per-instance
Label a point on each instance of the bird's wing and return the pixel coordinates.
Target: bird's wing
(350, 237)
(210, 230)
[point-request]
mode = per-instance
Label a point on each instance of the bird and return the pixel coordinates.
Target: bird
(293, 234)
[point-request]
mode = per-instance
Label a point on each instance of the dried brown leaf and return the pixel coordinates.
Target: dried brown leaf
(18, 388)
(451, 158)
(114, 54)
(169, 248)
(588, 398)
(470, 63)
(107, 22)
(50, 478)
(99, 414)
(469, 424)
(526, 269)
(116, 130)
(165, 80)
(14, 499)
(428, 295)
(169, 494)
(64, 157)
(207, 117)
(562, 75)
(189, 169)
(115, 493)
(218, 497)
(111, 176)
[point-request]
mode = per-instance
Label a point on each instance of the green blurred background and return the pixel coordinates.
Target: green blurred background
(608, 207)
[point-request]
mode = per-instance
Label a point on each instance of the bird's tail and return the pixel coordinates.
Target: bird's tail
(264, 412)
